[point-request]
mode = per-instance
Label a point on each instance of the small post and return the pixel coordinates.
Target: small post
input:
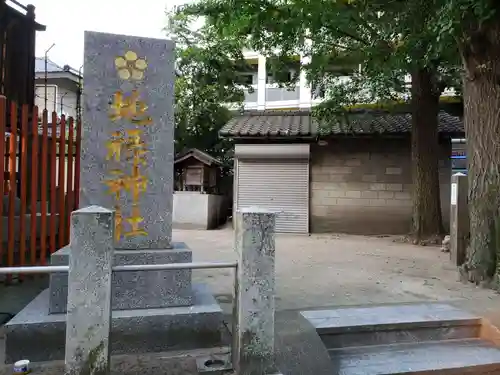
(255, 244)
(459, 219)
(89, 292)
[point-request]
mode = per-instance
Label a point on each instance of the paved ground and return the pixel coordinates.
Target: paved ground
(327, 270)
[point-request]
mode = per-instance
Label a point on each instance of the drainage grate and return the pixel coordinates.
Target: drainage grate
(214, 364)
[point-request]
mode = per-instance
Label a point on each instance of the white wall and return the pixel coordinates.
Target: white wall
(193, 210)
(59, 91)
(51, 97)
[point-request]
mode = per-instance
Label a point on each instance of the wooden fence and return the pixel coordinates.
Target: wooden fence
(39, 183)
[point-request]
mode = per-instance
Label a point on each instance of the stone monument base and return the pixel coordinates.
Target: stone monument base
(134, 289)
(39, 336)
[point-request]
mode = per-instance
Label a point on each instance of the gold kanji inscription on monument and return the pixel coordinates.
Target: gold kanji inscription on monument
(128, 147)
(128, 107)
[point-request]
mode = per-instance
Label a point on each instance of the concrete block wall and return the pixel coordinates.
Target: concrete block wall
(364, 186)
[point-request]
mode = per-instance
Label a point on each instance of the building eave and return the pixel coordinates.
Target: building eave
(272, 138)
(199, 155)
(58, 75)
(447, 135)
(15, 7)
(40, 27)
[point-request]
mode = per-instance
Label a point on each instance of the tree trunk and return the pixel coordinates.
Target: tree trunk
(481, 57)
(427, 219)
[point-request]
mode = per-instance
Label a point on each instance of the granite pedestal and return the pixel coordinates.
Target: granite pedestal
(138, 289)
(166, 312)
(39, 336)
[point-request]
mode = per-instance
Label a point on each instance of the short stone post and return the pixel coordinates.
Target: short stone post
(89, 292)
(255, 244)
(459, 219)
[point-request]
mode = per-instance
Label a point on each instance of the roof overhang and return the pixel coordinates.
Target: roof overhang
(199, 155)
(58, 75)
(302, 125)
(273, 138)
(314, 138)
(18, 10)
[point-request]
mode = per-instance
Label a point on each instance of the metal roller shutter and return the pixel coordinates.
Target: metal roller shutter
(281, 185)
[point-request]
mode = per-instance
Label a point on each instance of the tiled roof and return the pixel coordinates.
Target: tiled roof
(197, 154)
(302, 124)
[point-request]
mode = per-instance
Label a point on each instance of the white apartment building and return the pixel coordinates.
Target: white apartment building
(268, 95)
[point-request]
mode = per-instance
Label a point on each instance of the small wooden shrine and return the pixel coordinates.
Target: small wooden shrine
(196, 170)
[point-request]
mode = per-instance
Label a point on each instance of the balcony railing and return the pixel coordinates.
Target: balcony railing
(250, 95)
(275, 94)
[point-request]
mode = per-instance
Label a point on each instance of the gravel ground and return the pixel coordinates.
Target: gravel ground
(338, 270)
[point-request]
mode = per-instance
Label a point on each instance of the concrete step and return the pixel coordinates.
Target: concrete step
(452, 357)
(132, 331)
(389, 324)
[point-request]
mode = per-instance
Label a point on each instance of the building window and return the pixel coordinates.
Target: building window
(286, 77)
(245, 79)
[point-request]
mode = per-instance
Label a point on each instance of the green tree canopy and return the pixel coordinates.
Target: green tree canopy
(206, 82)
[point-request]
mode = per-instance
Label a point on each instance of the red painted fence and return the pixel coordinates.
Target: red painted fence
(39, 183)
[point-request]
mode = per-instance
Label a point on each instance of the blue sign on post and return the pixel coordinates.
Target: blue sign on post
(458, 156)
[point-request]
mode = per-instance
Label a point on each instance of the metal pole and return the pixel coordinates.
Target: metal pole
(62, 105)
(36, 269)
(133, 267)
(235, 357)
(175, 266)
(45, 83)
(45, 75)
(79, 95)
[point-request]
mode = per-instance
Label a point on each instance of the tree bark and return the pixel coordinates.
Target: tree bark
(481, 57)
(427, 219)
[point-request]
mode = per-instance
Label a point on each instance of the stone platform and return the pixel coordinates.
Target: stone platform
(39, 336)
(413, 339)
(137, 289)
(184, 362)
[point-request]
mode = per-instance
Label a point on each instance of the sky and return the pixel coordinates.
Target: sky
(66, 20)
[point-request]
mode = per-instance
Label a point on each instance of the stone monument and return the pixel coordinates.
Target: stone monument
(127, 165)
